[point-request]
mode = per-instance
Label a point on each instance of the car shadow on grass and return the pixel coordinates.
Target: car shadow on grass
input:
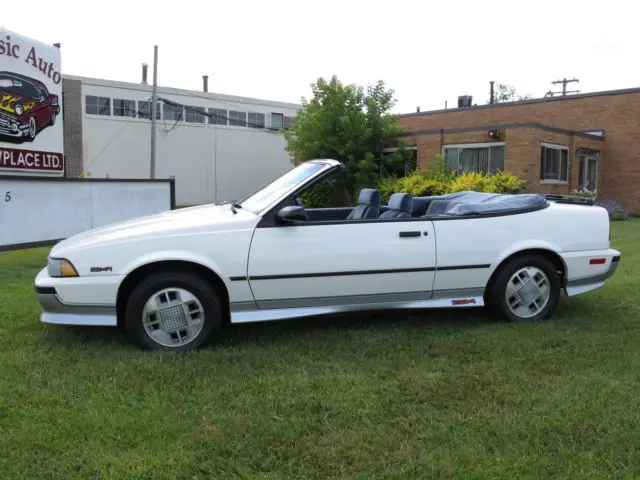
(437, 322)
(440, 322)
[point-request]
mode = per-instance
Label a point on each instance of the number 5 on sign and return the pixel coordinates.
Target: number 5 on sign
(7, 197)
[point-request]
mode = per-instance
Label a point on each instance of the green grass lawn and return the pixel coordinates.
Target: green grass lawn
(444, 394)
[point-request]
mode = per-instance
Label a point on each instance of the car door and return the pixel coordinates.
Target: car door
(322, 264)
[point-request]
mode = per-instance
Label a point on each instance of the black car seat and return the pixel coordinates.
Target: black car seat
(420, 205)
(368, 205)
(400, 206)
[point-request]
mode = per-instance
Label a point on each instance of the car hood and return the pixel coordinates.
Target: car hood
(207, 218)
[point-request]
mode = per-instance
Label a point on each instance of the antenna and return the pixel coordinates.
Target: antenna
(564, 83)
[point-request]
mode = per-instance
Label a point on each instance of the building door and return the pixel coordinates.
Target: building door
(587, 173)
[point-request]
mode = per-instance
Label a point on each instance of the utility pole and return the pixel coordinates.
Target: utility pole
(154, 96)
(564, 83)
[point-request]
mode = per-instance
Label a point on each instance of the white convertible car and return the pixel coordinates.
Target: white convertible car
(172, 280)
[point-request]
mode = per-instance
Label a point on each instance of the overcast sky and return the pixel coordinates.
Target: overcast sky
(426, 51)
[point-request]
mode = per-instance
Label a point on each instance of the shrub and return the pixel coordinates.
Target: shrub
(387, 186)
(502, 182)
(586, 193)
(416, 184)
(469, 181)
(615, 210)
(420, 184)
(438, 170)
(321, 195)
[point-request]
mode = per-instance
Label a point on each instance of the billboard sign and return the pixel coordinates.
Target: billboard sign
(31, 130)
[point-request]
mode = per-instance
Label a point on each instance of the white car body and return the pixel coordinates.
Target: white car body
(271, 270)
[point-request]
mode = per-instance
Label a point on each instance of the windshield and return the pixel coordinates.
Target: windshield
(276, 189)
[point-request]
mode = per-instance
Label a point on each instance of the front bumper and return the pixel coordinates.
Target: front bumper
(593, 282)
(18, 132)
(55, 310)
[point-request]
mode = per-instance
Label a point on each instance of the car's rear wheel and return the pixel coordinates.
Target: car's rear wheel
(526, 289)
(172, 310)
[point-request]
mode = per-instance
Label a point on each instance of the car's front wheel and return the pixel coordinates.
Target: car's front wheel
(526, 289)
(172, 310)
(33, 129)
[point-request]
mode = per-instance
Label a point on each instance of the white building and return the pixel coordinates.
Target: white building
(225, 156)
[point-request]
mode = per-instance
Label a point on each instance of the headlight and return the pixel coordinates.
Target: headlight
(19, 110)
(61, 267)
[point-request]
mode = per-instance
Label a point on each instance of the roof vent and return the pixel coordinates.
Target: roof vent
(464, 101)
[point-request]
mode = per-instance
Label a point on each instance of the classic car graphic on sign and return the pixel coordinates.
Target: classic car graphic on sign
(26, 107)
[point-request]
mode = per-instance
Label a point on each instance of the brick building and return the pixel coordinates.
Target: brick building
(557, 144)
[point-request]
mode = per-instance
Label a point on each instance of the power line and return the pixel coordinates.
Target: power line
(236, 123)
(183, 107)
(214, 99)
(116, 135)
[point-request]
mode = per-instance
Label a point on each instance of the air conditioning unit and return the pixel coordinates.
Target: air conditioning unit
(464, 101)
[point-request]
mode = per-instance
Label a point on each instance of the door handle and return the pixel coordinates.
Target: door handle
(409, 234)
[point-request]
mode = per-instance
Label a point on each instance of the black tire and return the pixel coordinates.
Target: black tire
(33, 130)
(201, 289)
(496, 294)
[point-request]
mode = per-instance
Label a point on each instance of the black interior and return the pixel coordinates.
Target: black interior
(400, 206)
(403, 205)
(368, 205)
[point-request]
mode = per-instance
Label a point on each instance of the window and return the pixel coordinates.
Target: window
(485, 158)
(395, 165)
(554, 163)
(144, 110)
(587, 173)
(124, 108)
(219, 116)
(277, 121)
(275, 190)
(256, 120)
(172, 112)
(194, 114)
(97, 105)
(237, 119)
(288, 122)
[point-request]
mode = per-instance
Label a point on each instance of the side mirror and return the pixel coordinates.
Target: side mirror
(292, 214)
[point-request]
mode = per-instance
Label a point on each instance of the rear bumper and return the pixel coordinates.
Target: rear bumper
(586, 284)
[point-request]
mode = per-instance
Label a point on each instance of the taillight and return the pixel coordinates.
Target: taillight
(597, 261)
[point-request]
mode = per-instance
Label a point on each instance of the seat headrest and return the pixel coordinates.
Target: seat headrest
(369, 196)
(420, 206)
(437, 207)
(401, 201)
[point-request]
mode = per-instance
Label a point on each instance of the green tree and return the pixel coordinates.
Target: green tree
(349, 123)
(506, 93)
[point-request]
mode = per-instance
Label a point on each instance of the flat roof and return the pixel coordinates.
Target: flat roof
(560, 98)
(475, 128)
(144, 87)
